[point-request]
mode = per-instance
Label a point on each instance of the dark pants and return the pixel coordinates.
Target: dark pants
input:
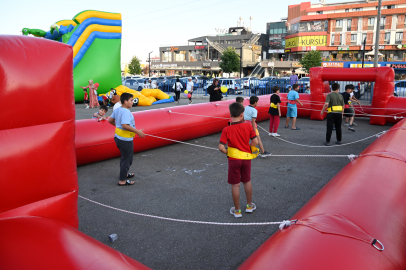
(177, 95)
(190, 99)
(127, 152)
(334, 119)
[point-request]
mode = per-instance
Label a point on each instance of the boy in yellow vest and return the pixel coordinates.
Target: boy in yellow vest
(237, 136)
(123, 120)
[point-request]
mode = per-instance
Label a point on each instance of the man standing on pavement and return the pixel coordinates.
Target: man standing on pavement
(214, 91)
(293, 78)
(293, 98)
(335, 108)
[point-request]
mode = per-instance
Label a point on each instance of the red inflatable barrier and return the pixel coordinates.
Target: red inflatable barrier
(95, 140)
(39, 186)
(337, 227)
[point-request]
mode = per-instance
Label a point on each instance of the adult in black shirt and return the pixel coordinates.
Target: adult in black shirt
(214, 91)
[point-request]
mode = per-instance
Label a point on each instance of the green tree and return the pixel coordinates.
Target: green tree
(311, 59)
(134, 67)
(230, 61)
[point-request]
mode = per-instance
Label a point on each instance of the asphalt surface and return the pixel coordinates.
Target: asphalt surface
(186, 182)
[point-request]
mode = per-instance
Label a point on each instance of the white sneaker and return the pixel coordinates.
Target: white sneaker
(250, 208)
(235, 213)
(276, 135)
(87, 107)
(271, 134)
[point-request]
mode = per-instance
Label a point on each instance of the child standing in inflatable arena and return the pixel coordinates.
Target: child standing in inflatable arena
(250, 116)
(123, 120)
(237, 136)
(274, 112)
(238, 100)
(86, 98)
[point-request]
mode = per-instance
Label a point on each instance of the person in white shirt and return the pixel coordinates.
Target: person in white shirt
(189, 88)
(117, 105)
(153, 85)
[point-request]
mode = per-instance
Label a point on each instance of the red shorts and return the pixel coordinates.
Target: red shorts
(239, 171)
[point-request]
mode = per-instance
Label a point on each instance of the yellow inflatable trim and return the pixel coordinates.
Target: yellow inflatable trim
(66, 23)
(94, 27)
(156, 93)
(142, 100)
(96, 14)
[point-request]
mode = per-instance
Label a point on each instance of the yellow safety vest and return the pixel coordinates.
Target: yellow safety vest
(273, 105)
(124, 133)
(238, 154)
(335, 109)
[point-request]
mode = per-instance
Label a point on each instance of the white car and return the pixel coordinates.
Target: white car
(250, 82)
(233, 86)
(400, 88)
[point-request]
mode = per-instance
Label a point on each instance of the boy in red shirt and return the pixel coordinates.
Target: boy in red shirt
(237, 136)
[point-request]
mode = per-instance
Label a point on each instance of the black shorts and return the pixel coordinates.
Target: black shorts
(349, 112)
(86, 102)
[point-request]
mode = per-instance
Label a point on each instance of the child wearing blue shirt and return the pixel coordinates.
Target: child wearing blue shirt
(123, 120)
(250, 116)
(293, 98)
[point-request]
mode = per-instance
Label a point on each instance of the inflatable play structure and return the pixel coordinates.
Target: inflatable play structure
(95, 37)
(357, 221)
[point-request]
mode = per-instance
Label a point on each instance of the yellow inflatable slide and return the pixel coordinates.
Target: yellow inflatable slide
(146, 97)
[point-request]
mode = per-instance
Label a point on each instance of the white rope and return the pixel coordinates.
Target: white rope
(182, 142)
(286, 223)
(313, 146)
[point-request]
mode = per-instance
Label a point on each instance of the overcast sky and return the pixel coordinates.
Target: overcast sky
(148, 24)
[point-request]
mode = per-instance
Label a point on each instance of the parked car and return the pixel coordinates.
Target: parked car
(400, 88)
(250, 82)
(233, 86)
(135, 84)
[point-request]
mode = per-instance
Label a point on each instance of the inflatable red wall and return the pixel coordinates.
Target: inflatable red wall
(39, 187)
(369, 192)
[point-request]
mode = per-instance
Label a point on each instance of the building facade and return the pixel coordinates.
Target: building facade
(276, 33)
(339, 29)
(201, 56)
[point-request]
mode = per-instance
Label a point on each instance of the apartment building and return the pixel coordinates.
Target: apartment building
(339, 29)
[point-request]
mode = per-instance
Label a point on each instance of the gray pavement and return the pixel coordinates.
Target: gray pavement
(186, 182)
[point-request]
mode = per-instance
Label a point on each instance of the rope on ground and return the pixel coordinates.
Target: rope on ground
(313, 146)
(182, 142)
(198, 115)
(282, 224)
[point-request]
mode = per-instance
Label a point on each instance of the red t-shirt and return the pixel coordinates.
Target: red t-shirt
(238, 135)
(86, 97)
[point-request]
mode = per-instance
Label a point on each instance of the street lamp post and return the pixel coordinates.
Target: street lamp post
(149, 64)
(363, 52)
(378, 30)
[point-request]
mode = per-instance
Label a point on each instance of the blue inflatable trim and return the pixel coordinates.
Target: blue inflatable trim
(168, 100)
(82, 27)
(89, 41)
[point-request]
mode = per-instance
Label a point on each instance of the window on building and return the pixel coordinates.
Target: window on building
(319, 12)
(353, 38)
(382, 23)
(341, 37)
(196, 55)
(180, 56)
(332, 39)
(347, 10)
(390, 7)
(357, 9)
(387, 38)
(349, 24)
(271, 31)
(167, 56)
(371, 21)
(339, 23)
(399, 37)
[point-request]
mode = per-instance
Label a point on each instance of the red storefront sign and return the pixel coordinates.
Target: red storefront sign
(199, 47)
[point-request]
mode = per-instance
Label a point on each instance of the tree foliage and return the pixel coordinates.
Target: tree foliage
(134, 67)
(311, 59)
(230, 61)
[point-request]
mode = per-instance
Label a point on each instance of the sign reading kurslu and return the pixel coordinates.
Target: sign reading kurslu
(306, 41)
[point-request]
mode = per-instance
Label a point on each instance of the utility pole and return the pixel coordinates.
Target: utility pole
(241, 61)
(378, 31)
(149, 64)
(363, 52)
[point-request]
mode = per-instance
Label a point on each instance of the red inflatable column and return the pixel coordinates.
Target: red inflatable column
(37, 157)
(383, 91)
(317, 93)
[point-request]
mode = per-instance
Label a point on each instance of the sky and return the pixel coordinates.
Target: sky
(149, 24)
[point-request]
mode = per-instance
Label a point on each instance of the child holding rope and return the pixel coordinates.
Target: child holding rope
(237, 136)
